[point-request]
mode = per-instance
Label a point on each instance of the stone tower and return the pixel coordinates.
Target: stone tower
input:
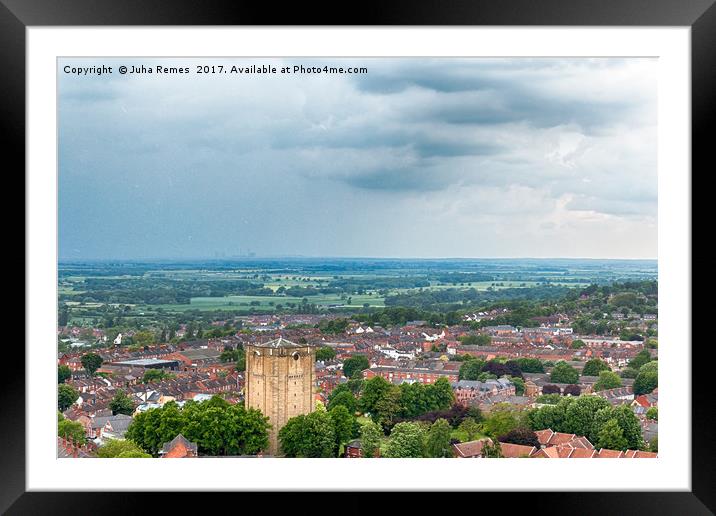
(280, 377)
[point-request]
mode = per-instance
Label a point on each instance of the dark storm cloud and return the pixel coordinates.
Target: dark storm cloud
(353, 165)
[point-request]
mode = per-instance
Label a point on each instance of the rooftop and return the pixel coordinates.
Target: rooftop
(278, 343)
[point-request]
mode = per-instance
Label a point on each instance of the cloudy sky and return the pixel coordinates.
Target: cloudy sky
(417, 158)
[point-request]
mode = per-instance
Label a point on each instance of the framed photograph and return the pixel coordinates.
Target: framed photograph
(268, 243)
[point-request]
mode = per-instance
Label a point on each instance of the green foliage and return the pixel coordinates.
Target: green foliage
(471, 369)
(611, 436)
(66, 396)
(155, 375)
(438, 440)
(492, 450)
(627, 421)
(353, 364)
(344, 425)
(577, 344)
(406, 440)
(646, 381)
(91, 362)
(652, 367)
(580, 416)
(530, 365)
(519, 385)
(114, 448)
(121, 404)
(388, 406)
(564, 373)
(134, 455)
(502, 418)
(548, 399)
(640, 359)
(607, 380)
(370, 435)
(373, 390)
(629, 373)
(652, 413)
(71, 430)
(475, 340)
(595, 366)
(217, 427)
(234, 355)
(333, 326)
(63, 374)
(654, 445)
(325, 353)
(343, 397)
(469, 428)
(308, 435)
(144, 338)
(417, 398)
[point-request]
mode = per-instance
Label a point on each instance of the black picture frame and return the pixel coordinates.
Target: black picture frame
(16, 15)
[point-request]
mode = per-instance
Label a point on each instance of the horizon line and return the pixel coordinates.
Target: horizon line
(328, 257)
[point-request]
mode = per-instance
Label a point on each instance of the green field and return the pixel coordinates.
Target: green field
(270, 303)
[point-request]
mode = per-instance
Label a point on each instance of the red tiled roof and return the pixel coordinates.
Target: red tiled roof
(470, 449)
(510, 450)
(609, 454)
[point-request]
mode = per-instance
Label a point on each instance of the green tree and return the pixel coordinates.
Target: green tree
(471, 369)
(373, 390)
(577, 344)
(595, 366)
(370, 435)
(91, 362)
(580, 416)
(627, 420)
(308, 435)
(607, 380)
(469, 428)
(519, 384)
(134, 455)
(71, 430)
(144, 338)
(640, 359)
(217, 427)
(611, 436)
(344, 423)
(63, 316)
(629, 373)
(387, 407)
(530, 365)
(652, 413)
(325, 353)
(113, 448)
(345, 398)
(155, 375)
(66, 396)
(440, 395)
(492, 450)
(354, 364)
(406, 440)
(438, 439)
(564, 373)
(63, 374)
(654, 445)
(502, 418)
(646, 381)
(121, 403)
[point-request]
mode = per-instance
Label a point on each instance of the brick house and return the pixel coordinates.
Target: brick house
(178, 448)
